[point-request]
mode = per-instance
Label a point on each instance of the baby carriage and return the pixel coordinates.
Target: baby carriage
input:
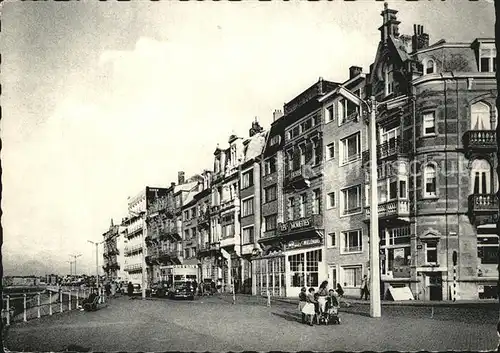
(331, 313)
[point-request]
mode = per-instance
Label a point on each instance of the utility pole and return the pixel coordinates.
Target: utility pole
(375, 305)
(75, 257)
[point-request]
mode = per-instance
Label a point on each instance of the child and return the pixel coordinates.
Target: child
(302, 302)
(308, 308)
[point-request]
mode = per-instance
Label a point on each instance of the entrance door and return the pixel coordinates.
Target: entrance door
(435, 286)
(332, 280)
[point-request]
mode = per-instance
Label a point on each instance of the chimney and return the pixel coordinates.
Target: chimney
(354, 71)
(390, 24)
(277, 114)
(419, 40)
(180, 178)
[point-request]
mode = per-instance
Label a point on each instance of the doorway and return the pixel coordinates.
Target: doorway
(332, 274)
(435, 286)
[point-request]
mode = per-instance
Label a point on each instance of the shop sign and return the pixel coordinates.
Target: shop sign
(293, 225)
(300, 243)
(419, 247)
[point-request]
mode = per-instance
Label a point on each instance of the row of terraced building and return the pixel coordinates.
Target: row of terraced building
(288, 207)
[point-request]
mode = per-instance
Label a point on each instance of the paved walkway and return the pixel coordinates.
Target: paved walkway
(214, 324)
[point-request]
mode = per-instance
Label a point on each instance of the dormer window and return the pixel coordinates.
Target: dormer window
(388, 79)
(487, 59)
(429, 67)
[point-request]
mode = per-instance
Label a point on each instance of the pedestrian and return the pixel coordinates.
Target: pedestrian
(322, 294)
(113, 289)
(340, 293)
(302, 302)
(364, 288)
(107, 289)
(308, 308)
(130, 289)
(195, 286)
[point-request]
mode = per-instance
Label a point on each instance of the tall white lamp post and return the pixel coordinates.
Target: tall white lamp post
(74, 261)
(96, 259)
(375, 303)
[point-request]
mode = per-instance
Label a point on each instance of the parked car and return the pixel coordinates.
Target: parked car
(182, 289)
(137, 289)
(159, 290)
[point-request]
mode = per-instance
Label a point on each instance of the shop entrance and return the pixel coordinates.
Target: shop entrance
(435, 286)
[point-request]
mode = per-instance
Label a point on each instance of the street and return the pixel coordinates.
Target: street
(215, 324)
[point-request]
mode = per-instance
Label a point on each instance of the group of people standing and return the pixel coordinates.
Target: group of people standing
(312, 303)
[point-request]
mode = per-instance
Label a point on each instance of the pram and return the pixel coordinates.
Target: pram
(331, 313)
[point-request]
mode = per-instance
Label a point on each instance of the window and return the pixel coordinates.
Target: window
(388, 79)
(330, 150)
(352, 276)
(429, 67)
(270, 222)
(403, 191)
(480, 177)
(270, 193)
(305, 273)
(332, 240)
(329, 114)
(390, 136)
(186, 215)
(228, 230)
(350, 148)
(346, 111)
(248, 235)
(393, 189)
(431, 253)
(193, 252)
(247, 179)
(247, 207)
(186, 234)
(331, 200)
(487, 249)
(430, 181)
(353, 241)
(352, 200)
(186, 253)
(487, 60)
(429, 124)
(290, 208)
(289, 159)
(480, 116)
(275, 140)
(303, 205)
(302, 154)
(316, 201)
(270, 165)
(316, 145)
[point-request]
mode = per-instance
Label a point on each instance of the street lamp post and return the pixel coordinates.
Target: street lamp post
(375, 303)
(96, 259)
(75, 257)
(70, 267)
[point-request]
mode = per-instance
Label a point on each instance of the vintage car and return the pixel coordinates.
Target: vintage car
(159, 289)
(182, 289)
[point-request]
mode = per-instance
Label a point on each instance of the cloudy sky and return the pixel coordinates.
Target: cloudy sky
(103, 98)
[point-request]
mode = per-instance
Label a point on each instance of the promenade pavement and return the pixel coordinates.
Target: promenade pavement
(215, 324)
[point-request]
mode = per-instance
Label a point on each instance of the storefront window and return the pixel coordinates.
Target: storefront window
(352, 276)
(305, 273)
(270, 276)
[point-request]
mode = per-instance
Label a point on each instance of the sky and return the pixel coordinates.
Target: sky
(103, 98)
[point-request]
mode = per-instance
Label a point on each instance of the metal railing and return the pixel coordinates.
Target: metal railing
(54, 300)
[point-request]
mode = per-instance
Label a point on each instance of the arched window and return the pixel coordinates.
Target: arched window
(429, 67)
(430, 181)
(480, 178)
(480, 116)
(302, 151)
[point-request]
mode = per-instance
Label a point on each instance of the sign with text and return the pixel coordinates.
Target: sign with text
(304, 242)
(295, 225)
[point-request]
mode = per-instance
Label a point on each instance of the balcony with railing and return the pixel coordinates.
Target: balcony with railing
(393, 148)
(228, 204)
(299, 176)
(133, 268)
(393, 209)
(483, 203)
(134, 249)
(480, 140)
